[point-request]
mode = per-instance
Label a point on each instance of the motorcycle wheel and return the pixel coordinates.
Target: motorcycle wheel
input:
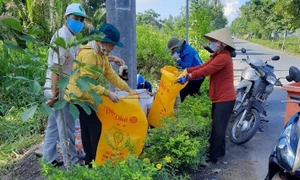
(238, 103)
(240, 136)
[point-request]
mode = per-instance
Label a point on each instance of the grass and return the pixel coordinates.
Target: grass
(11, 152)
(292, 44)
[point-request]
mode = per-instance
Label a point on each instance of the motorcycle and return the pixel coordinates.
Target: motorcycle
(256, 85)
(284, 161)
(249, 77)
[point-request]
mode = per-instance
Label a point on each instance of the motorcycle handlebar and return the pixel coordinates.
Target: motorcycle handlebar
(258, 69)
(294, 97)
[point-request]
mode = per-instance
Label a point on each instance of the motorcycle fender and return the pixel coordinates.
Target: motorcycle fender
(245, 84)
(258, 106)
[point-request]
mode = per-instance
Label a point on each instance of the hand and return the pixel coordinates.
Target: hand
(132, 91)
(51, 102)
(113, 97)
(183, 79)
(118, 61)
(176, 56)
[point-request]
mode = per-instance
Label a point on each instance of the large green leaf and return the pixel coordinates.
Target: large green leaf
(71, 41)
(35, 87)
(35, 31)
(29, 113)
(60, 42)
(96, 97)
(84, 106)
(96, 70)
(60, 104)
(13, 23)
(79, 63)
(14, 47)
(47, 109)
(89, 79)
(27, 38)
(75, 71)
(21, 78)
(74, 111)
(83, 85)
(93, 106)
(63, 82)
(79, 36)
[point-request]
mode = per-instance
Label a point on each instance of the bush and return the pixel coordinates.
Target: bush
(185, 139)
(130, 168)
(16, 69)
(152, 51)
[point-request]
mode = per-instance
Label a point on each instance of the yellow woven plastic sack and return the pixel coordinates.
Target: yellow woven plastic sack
(124, 128)
(164, 100)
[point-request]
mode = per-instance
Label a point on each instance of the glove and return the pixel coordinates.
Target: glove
(183, 79)
(176, 56)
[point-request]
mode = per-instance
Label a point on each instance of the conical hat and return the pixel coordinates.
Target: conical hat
(222, 35)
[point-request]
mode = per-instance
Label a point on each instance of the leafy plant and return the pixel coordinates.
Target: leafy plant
(185, 139)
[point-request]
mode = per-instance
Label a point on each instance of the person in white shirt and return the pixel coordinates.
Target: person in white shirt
(74, 23)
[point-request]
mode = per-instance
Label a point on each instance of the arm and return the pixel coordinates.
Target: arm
(213, 66)
(148, 86)
(118, 61)
(113, 78)
(186, 61)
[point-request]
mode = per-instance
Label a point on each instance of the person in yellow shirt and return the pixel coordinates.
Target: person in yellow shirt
(95, 53)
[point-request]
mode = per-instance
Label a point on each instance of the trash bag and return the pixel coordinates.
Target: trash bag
(124, 129)
(163, 104)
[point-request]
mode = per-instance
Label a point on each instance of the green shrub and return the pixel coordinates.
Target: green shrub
(185, 139)
(152, 51)
(16, 69)
(131, 168)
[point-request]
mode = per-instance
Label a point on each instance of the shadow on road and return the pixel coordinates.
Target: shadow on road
(251, 53)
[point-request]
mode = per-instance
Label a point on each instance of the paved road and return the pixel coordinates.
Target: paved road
(250, 161)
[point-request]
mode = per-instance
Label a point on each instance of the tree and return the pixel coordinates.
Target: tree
(149, 17)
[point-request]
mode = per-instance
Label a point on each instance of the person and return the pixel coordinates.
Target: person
(96, 53)
(207, 48)
(186, 56)
(142, 83)
(221, 87)
(74, 18)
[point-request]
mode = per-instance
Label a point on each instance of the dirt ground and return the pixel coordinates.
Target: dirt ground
(27, 168)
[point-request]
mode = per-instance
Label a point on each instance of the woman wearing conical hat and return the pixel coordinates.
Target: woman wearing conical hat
(221, 88)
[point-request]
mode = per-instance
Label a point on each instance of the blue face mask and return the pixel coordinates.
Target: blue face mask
(75, 26)
(214, 46)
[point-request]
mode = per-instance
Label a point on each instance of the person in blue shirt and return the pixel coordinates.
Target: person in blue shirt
(142, 83)
(186, 56)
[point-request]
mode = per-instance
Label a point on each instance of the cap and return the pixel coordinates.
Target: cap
(76, 9)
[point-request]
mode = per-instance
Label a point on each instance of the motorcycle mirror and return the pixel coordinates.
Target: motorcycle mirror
(275, 58)
(294, 74)
(288, 78)
(243, 50)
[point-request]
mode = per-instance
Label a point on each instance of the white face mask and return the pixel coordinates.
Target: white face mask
(104, 51)
(215, 46)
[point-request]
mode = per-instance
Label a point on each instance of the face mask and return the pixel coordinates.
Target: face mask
(176, 51)
(75, 26)
(214, 46)
(104, 51)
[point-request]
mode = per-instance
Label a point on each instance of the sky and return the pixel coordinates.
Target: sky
(167, 7)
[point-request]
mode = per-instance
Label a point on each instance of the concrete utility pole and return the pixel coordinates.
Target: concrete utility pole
(187, 22)
(122, 14)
